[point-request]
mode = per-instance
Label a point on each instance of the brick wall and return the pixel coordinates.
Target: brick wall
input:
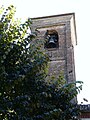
(85, 112)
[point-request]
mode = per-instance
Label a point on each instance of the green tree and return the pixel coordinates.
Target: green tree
(24, 93)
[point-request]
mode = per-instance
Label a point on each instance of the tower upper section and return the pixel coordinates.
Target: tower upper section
(59, 31)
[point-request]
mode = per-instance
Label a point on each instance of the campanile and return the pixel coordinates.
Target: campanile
(59, 33)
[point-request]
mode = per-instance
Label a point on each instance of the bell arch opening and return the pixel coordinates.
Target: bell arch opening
(51, 37)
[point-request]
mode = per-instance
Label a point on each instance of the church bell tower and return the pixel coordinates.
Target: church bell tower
(59, 33)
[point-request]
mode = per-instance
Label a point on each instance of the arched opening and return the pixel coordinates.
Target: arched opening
(51, 37)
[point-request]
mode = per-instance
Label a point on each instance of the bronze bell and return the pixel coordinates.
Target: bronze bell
(51, 41)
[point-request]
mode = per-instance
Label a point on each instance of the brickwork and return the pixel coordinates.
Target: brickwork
(85, 111)
(62, 58)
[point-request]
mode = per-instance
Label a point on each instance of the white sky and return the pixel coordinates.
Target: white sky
(39, 8)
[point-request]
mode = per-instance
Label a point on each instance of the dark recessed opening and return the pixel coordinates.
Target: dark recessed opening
(51, 37)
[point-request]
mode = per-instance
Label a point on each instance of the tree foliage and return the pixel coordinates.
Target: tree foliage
(24, 93)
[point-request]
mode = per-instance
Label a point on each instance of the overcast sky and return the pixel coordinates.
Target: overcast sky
(81, 8)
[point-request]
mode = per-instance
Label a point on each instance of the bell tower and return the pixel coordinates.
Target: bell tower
(59, 33)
